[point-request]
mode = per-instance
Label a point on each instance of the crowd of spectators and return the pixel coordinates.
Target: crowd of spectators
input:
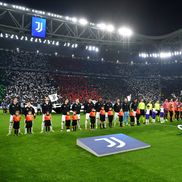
(33, 75)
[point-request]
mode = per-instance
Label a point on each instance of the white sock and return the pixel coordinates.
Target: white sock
(10, 127)
(25, 130)
(96, 123)
(42, 127)
(86, 123)
(147, 121)
(78, 123)
(51, 128)
(62, 125)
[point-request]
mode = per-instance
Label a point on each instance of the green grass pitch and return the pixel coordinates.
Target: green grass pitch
(50, 157)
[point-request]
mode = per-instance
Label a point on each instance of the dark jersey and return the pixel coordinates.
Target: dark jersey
(28, 109)
(98, 106)
(107, 106)
(76, 108)
(117, 107)
(13, 108)
(88, 107)
(65, 108)
(46, 107)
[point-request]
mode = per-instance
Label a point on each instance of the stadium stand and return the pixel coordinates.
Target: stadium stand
(33, 75)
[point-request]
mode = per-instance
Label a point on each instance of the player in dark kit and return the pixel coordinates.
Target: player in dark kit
(117, 108)
(98, 106)
(14, 106)
(65, 108)
(134, 106)
(46, 107)
(77, 107)
(88, 106)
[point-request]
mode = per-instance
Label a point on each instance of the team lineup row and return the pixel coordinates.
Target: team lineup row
(97, 113)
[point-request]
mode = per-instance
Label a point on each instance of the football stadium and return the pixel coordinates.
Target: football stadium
(84, 100)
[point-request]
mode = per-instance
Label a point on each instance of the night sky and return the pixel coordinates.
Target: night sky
(150, 17)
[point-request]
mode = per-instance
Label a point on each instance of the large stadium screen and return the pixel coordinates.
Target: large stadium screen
(38, 27)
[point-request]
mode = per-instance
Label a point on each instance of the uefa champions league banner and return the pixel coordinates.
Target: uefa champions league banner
(110, 144)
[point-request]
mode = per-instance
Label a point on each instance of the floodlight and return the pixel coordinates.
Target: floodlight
(110, 28)
(83, 21)
(102, 26)
(74, 19)
(165, 54)
(125, 32)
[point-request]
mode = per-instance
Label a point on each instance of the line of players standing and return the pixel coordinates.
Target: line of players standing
(95, 114)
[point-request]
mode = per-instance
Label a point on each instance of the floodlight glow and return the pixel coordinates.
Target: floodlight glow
(74, 19)
(110, 28)
(97, 49)
(83, 21)
(125, 32)
(102, 26)
(165, 54)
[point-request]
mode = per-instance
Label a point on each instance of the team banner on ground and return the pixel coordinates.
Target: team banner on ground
(110, 144)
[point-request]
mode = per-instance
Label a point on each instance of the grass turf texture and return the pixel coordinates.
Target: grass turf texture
(50, 157)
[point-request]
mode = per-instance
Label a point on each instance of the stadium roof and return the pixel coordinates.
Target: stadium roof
(17, 20)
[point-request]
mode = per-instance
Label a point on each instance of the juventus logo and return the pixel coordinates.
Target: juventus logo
(39, 26)
(112, 142)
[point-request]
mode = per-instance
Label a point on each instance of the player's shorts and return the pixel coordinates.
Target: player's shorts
(74, 122)
(48, 123)
(120, 119)
(110, 118)
(63, 119)
(87, 116)
(102, 117)
(92, 120)
(16, 125)
(106, 114)
(162, 114)
(78, 115)
(147, 116)
(153, 116)
(68, 123)
(142, 112)
(134, 113)
(132, 119)
(28, 124)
